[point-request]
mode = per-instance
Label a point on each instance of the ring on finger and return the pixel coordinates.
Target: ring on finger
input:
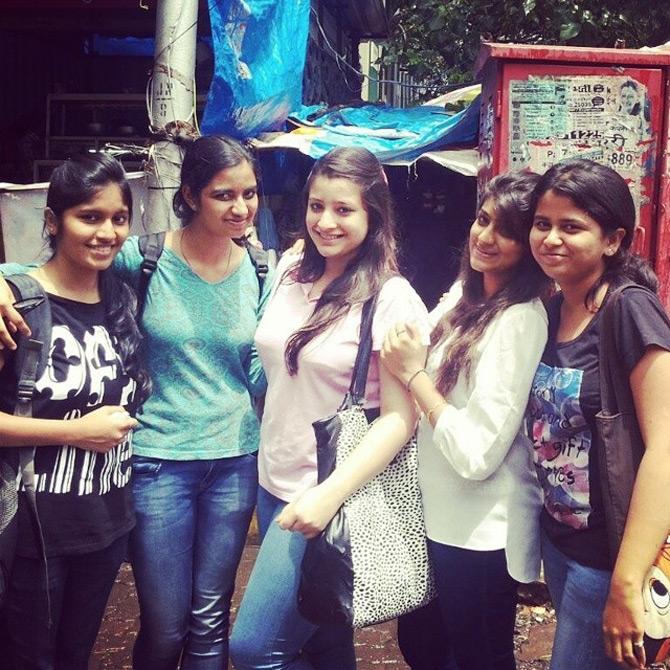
(639, 644)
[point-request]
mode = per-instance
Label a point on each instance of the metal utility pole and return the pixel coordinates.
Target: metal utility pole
(172, 105)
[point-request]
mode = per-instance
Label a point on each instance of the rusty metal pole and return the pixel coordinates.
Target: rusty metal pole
(171, 105)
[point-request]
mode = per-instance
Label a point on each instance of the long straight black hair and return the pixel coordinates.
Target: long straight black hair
(73, 183)
(375, 260)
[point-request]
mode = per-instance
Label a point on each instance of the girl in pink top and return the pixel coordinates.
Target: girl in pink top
(307, 340)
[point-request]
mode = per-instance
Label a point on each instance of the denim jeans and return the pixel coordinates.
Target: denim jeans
(269, 632)
(579, 594)
(477, 599)
(79, 586)
(192, 522)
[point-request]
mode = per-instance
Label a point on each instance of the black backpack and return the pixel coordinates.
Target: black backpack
(151, 248)
(29, 362)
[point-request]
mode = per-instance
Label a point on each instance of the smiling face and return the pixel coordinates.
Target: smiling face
(228, 203)
(337, 219)
(567, 243)
(90, 234)
(492, 252)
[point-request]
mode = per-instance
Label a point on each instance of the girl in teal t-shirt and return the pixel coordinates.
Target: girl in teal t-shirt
(194, 469)
(194, 465)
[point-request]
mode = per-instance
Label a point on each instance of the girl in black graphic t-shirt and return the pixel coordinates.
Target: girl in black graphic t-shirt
(81, 427)
(582, 232)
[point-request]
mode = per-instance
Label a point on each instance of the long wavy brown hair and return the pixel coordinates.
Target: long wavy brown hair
(466, 323)
(375, 260)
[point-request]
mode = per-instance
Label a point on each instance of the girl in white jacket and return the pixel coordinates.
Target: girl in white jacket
(481, 498)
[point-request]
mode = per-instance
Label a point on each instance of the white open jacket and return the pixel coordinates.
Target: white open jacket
(476, 474)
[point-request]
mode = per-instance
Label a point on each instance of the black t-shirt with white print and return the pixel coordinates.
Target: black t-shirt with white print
(83, 498)
(564, 400)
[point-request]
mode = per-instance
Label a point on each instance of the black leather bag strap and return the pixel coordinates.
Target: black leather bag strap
(151, 248)
(615, 393)
(359, 376)
(620, 446)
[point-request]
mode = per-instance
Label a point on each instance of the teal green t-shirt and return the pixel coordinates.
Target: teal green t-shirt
(199, 351)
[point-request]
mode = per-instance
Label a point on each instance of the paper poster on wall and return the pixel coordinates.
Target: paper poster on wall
(604, 118)
(486, 135)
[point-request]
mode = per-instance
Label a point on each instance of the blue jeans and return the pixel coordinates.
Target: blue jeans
(269, 632)
(579, 594)
(79, 586)
(477, 599)
(192, 522)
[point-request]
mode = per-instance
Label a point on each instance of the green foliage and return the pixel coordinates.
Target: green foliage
(437, 41)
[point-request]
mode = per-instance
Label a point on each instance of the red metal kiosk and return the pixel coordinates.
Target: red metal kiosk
(543, 104)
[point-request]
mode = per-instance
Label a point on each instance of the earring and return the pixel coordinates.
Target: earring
(609, 251)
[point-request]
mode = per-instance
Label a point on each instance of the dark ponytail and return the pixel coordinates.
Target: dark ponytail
(120, 304)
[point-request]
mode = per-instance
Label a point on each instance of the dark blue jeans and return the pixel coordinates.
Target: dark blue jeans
(192, 522)
(269, 632)
(422, 640)
(78, 587)
(477, 599)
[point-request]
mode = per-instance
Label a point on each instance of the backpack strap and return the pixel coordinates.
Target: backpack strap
(261, 261)
(31, 359)
(151, 248)
(32, 353)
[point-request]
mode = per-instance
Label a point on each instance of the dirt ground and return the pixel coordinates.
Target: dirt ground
(375, 646)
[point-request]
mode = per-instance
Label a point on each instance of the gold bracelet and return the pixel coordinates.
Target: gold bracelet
(411, 379)
(434, 408)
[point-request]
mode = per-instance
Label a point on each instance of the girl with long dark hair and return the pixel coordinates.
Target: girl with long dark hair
(480, 495)
(307, 340)
(81, 430)
(195, 467)
(583, 228)
(194, 463)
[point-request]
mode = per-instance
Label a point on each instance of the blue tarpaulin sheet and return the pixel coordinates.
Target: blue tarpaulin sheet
(100, 45)
(391, 132)
(259, 56)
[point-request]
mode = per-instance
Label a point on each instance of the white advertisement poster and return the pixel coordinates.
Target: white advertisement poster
(604, 118)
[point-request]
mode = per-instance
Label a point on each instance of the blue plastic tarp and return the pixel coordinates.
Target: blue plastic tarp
(259, 56)
(100, 45)
(391, 132)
